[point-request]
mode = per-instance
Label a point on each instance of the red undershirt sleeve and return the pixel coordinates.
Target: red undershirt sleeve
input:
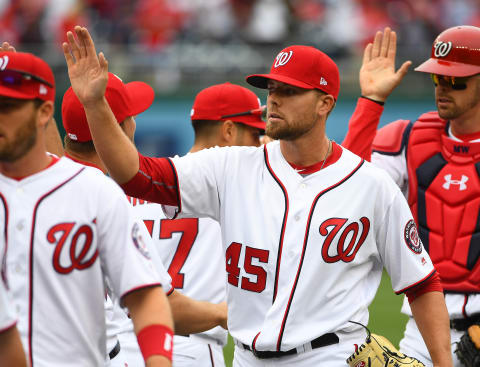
(432, 284)
(362, 128)
(155, 181)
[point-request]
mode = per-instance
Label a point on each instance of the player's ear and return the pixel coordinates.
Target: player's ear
(325, 104)
(44, 113)
(228, 131)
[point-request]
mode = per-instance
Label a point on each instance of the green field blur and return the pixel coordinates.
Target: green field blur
(385, 317)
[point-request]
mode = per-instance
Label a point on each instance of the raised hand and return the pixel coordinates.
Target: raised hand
(88, 72)
(378, 77)
(7, 47)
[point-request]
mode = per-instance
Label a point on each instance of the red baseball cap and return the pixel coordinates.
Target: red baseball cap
(125, 100)
(25, 76)
(228, 101)
(304, 67)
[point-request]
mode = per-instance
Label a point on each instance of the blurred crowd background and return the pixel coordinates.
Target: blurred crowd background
(182, 46)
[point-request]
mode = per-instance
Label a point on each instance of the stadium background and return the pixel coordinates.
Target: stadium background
(182, 46)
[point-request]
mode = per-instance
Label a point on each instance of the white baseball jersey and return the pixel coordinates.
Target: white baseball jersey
(70, 229)
(191, 248)
(8, 317)
(298, 247)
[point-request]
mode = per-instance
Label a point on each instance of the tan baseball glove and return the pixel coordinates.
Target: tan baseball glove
(377, 351)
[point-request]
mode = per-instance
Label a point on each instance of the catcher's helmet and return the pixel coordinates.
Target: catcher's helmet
(455, 52)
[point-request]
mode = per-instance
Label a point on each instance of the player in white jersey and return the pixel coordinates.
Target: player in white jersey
(307, 261)
(69, 229)
(175, 239)
(11, 351)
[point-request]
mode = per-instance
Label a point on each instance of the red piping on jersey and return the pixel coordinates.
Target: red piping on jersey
(177, 188)
(417, 283)
(170, 291)
(3, 265)
(13, 324)
(211, 355)
(30, 306)
(307, 230)
(284, 223)
(255, 340)
(464, 307)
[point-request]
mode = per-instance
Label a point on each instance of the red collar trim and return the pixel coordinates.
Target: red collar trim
(332, 158)
(54, 160)
(83, 162)
(469, 137)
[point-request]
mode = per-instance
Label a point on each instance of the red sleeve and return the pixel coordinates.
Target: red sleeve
(363, 127)
(432, 284)
(155, 181)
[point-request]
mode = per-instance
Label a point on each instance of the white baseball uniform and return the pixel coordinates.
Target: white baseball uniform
(70, 229)
(304, 253)
(192, 248)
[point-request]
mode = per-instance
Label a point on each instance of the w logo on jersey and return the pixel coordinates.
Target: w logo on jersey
(73, 249)
(336, 232)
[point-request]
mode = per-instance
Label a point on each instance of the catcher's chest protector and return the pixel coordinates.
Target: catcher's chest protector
(444, 196)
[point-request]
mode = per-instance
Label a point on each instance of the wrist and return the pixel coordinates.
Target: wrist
(156, 340)
(374, 99)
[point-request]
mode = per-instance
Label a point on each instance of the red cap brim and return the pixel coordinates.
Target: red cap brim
(261, 81)
(449, 68)
(141, 96)
(15, 93)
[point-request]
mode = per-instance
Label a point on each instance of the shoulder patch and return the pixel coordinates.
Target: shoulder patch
(412, 239)
(390, 138)
(139, 242)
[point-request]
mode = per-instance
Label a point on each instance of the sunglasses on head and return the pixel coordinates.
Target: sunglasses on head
(16, 78)
(261, 112)
(454, 82)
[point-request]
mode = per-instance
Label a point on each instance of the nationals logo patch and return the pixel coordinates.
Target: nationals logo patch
(411, 237)
(139, 242)
(361, 364)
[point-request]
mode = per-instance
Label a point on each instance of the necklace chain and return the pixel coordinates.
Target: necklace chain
(326, 155)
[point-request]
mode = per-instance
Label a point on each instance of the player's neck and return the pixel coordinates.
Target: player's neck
(86, 159)
(306, 150)
(34, 161)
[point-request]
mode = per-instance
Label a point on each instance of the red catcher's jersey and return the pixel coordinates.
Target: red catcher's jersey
(444, 196)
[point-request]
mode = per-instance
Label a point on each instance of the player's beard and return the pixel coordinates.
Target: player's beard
(455, 110)
(22, 142)
(291, 131)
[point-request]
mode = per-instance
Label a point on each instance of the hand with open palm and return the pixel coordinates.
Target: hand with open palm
(88, 72)
(378, 77)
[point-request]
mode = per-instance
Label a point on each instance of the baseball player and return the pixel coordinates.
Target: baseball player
(69, 230)
(329, 224)
(435, 162)
(203, 284)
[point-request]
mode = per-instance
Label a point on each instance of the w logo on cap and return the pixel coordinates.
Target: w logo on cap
(442, 48)
(282, 58)
(3, 62)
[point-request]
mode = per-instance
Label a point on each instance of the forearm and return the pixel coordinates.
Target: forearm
(11, 351)
(192, 316)
(431, 316)
(149, 307)
(362, 128)
(113, 146)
